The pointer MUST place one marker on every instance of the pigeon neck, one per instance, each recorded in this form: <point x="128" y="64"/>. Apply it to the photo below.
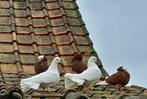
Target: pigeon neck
<point x="91" y="63"/>
<point x="53" y="66"/>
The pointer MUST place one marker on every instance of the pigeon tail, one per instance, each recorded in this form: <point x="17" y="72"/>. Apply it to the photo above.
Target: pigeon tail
<point x="25" y="86"/>
<point x="102" y="83"/>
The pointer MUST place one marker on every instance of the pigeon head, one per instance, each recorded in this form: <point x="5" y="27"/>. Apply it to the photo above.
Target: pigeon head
<point x="93" y="59"/>
<point x="120" y="68"/>
<point x="57" y="59"/>
<point x="78" y="56"/>
<point x="42" y="58"/>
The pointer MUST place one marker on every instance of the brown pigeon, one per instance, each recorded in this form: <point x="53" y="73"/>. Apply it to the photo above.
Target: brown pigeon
<point x="77" y="64"/>
<point x="41" y="65"/>
<point x="121" y="77"/>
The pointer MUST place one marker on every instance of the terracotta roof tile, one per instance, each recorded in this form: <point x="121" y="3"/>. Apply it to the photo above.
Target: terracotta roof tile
<point x="27" y="59"/>
<point x="52" y="5"/>
<point x="5" y="37"/>
<point x="4" y="4"/>
<point x="4" y="12"/>
<point x="4" y="29"/>
<point x="7" y="58"/>
<point x="4" y="48"/>
<point x="20" y="13"/>
<point x="24" y="39"/>
<point x="29" y="28"/>
<point x="5" y="21"/>
<point x="22" y="21"/>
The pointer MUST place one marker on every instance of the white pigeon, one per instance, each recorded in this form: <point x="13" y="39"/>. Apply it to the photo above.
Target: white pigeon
<point x="51" y="75"/>
<point x="90" y="74"/>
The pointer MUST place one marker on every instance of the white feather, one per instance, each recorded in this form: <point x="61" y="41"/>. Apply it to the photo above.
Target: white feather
<point x="49" y="76"/>
<point x="102" y="83"/>
<point x="40" y="57"/>
<point x="90" y="74"/>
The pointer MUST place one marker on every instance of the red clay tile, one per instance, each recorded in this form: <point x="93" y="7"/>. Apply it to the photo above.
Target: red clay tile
<point x="39" y="22"/>
<point x="77" y="30"/>
<point x="4" y="4"/>
<point x="20" y="13"/>
<point x="5" y="20"/>
<point x="63" y="39"/>
<point x="4" y="29"/>
<point x="6" y="48"/>
<point x="66" y="50"/>
<point x="28" y="69"/>
<point x="52" y="5"/>
<point x="7" y="58"/>
<point x="23" y="30"/>
<point x="44" y="39"/>
<point x="4" y="12"/>
<point x="27" y="59"/>
<point x="42" y="30"/>
<point x="37" y="14"/>
<point x="24" y="39"/>
<point x="81" y="40"/>
<point x="8" y="68"/>
<point x="60" y="30"/>
<point x="36" y="6"/>
<point x="25" y="49"/>
<point x="20" y="5"/>
<point x="21" y="22"/>
<point x="51" y="50"/>
<point x="57" y="22"/>
<point x="55" y="13"/>
<point x="5" y="37"/>
<point x="68" y="5"/>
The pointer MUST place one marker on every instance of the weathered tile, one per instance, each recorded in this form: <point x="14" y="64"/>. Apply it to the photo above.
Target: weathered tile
<point x="50" y="0"/>
<point x="88" y="50"/>
<point x="4" y="12"/>
<point x="37" y="13"/>
<point x="55" y="13"/>
<point x="44" y="39"/>
<point x="74" y="21"/>
<point x="4" y="4"/>
<point x="25" y="49"/>
<point x="71" y="13"/>
<point x="59" y="30"/>
<point x="27" y="59"/>
<point x="21" y="22"/>
<point x="24" y="39"/>
<point x="57" y="22"/>
<point x="69" y="5"/>
<point x="81" y="40"/>
<point x="47" y="50"/>
<point x="39" y="22"/>
<point x="4" y="29"/>
<point x="63" y="39"/>
<point x="28" y="69"/>
<point x="66" y="60"/>
<point x="20" y="5"/>
<point x="8" y="68"/>
<point x="5" y="37"/>
<point x="20" y="13"/>
<point x="5" y="20"/>
<point x="66" y="50"/>
<point x="52" y="5"/>
<point x="34" y="0"/>
<point x="36" y="6"/>
<point x="77" y="30"/>
<point x="6" y="48"/>
<point x="68" y="69"/>
<point x="23" y="30"/>
<point x="7" y="58"/>
<point x="41" y="30"/>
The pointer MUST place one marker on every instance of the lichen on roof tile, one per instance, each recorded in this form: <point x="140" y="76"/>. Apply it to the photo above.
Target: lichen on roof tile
<point x="20" y="13"/>
<point x="7" y="58"/>
<point x="5" y="20"/>
<point x="5" y="38"/>
<point x="52" y="5"/>
<point x="4" y="4"/>
<point x="24" y="39"/>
